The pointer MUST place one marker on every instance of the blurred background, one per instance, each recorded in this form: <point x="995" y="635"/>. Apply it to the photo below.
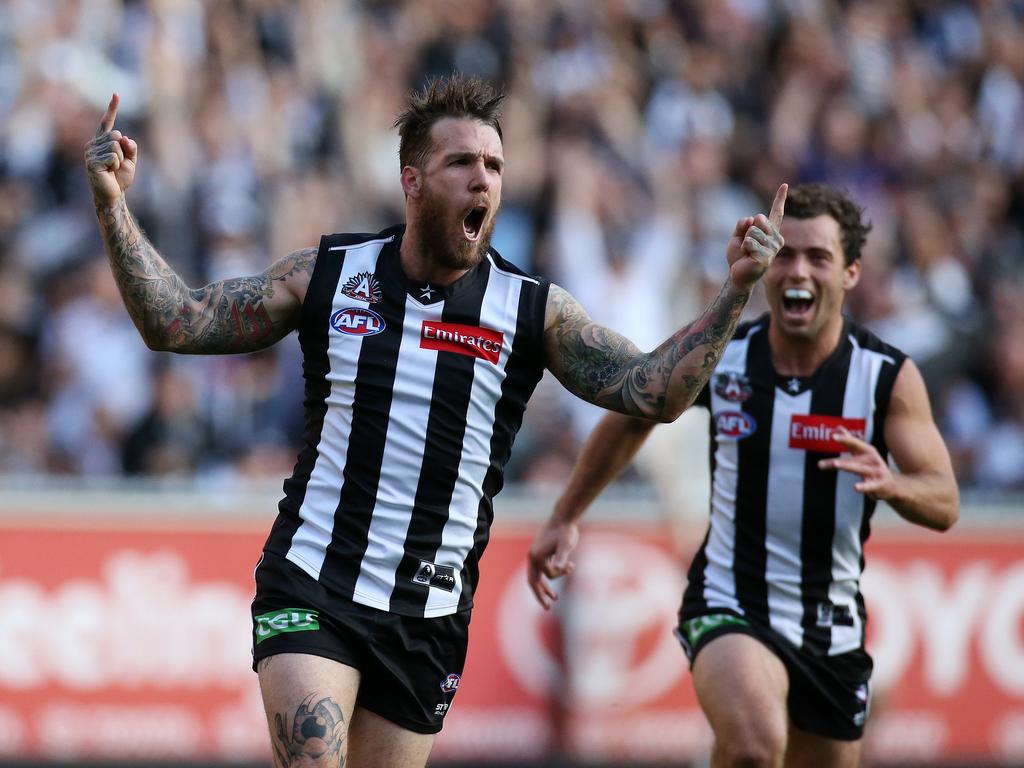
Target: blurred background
<point x="636" y="133"/>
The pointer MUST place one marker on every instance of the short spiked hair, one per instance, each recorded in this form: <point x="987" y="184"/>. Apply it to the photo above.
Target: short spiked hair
<point x="806" y="201"/>
<point x="457" y="95"/>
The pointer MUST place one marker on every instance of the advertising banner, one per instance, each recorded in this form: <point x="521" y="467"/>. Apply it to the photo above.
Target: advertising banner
<point x="129" y="639"/>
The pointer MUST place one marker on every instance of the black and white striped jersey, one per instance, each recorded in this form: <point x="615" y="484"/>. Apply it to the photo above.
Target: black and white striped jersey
<point x="785" y="543"/>
<point x="414" y="394"/>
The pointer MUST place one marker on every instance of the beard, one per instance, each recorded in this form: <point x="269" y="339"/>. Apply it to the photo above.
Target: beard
<point x="434" y="233"/>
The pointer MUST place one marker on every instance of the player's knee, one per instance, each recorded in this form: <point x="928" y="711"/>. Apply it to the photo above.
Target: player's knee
<point x="761" y="746"/>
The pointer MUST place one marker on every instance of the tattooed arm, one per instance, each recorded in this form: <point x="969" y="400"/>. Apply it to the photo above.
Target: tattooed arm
<point x="604" y="368"/>
<point x="239" y="315"/>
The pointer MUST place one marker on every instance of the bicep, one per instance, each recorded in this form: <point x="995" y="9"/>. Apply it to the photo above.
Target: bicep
<point x="245" y="314"/>
<point x="590" y="360"/>
<point x="911" y="434"/>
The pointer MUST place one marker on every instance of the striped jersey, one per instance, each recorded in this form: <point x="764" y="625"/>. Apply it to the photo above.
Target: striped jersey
<point x="414" y="394"/>
<point x="785" y="543"/>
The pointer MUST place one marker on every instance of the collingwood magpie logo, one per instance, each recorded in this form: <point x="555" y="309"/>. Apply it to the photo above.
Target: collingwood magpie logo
<point x="363" y="287"/>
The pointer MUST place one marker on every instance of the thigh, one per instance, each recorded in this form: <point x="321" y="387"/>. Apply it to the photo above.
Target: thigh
<point x="809" y="750"/>
<point x="375" y="742"/>
<point x="309" y="701"/>
<point x="742" y="687"/>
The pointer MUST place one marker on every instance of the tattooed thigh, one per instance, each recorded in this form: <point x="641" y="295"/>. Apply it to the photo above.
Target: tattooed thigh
<point x="309" y="702"/>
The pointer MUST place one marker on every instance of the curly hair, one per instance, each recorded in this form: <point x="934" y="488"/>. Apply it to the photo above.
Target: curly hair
<point x="805" y="201"/>
<point x="457" y="95"/>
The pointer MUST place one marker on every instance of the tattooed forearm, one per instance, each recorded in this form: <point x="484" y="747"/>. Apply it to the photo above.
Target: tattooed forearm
<point x="316" y="736"/>
<point x="238" y="315"/>
<point x="607" y="369"/>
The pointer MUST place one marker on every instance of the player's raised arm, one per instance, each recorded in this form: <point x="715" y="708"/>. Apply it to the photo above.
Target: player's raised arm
<point x="605" y="368"/>
<point x="238" y="315"/>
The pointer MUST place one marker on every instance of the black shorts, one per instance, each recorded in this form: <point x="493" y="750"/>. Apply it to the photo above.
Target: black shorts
<point x="410" y="667"/>
<point x="828" y="695"/>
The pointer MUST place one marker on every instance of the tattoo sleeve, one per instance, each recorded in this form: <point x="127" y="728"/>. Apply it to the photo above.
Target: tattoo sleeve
<point x="605" y="368"/>
<point x="239" y="315"/>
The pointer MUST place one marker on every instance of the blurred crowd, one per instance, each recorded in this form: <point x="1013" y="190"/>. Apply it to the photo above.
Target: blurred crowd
<point x="636" y="133"/>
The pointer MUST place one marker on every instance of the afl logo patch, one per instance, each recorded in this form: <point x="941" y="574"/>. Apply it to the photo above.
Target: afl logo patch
<point x="451" y="683"/>
<point x="356" y="321"/>
<point x="734" y="425"/>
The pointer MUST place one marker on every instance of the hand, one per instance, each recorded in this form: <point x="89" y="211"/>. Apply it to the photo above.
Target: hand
<point x="864" y="460"/>
<point x="754" y="243"/>
<point x="549" y="558"/>
<point x="110" y="159"/>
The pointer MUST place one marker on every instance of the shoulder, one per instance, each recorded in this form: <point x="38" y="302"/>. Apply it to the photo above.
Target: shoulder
<point x="748" y="328"/>
<point x="510" y="270"/>
<point x="863" y="338"/>
<point x="341" y="241"/>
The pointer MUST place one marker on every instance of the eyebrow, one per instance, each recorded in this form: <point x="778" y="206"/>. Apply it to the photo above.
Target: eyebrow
<point x="465" y="154"/>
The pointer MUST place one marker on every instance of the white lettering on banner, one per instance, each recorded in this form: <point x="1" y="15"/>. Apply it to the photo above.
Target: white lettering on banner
<point x="143" y="731"/>
<point x="13" y="730"/>
<point x="1001" y="648"/>
<point x="916" y="603"/>
<point x="507" y="733"/>
<point x="948" y="615"/>
<point x="1008" y="737"/>
<point x="647" y="736"/>
<point x="239" y="728"/>
<point x="624" y="592"/>
<point x="908" y="736"/>
<point x="142" y="623"/>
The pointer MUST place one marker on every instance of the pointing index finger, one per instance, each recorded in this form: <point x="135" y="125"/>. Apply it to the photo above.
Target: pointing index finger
<point x="778" y="206"/>
<point x="107" y="123"/>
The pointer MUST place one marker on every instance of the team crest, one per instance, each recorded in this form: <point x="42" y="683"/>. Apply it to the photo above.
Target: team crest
<point x="363" y="287"/>
<point x="732" y="386"/>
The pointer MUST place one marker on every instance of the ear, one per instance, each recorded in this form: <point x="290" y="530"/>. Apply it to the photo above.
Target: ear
<point x="411" y="181"/>
<point x="851" y="275"/>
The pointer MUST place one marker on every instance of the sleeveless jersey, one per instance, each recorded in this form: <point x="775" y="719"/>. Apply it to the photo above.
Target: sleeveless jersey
<point x="414" y="394"/>
<point x="785" y="543"/>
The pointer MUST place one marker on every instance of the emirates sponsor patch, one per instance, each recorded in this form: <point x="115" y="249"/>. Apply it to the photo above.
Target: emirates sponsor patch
<point x="469" y="340"/>
<point x="812" y="432"/>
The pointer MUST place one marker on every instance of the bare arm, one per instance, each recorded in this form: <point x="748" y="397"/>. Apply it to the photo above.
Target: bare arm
<point x="924" y="491"/>
<point x="605" y="368"/>
<point x="608" y="450"/>
<point x="238" y="315"/>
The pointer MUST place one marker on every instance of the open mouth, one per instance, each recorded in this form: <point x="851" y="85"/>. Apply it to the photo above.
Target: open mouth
<point x="797" y="301"/>
<point x="473" y="223"/>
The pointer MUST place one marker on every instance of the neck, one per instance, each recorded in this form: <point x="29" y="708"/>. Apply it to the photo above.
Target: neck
<point x="801" y="356"/>
<point x="421" y="265"/>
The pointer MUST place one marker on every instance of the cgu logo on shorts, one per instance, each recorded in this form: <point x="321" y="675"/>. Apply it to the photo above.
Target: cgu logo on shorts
<point x="734" y="425"/>
<point x="285" y="620"/>
<point x="470" y="340"/>
<point x="357" y="321"/>
<point x="814" y="433"/>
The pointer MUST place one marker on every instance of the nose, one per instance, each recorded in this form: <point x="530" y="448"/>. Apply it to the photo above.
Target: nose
<point x="799" y="265"/>
<point x="479" y="181"/>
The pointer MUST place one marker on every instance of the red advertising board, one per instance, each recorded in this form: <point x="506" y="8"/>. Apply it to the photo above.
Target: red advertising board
<point x="129" y="640"/>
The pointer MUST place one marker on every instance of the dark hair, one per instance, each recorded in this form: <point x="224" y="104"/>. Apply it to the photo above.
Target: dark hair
<point x="805" y="201"/>
<point x="457" y="95"/>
